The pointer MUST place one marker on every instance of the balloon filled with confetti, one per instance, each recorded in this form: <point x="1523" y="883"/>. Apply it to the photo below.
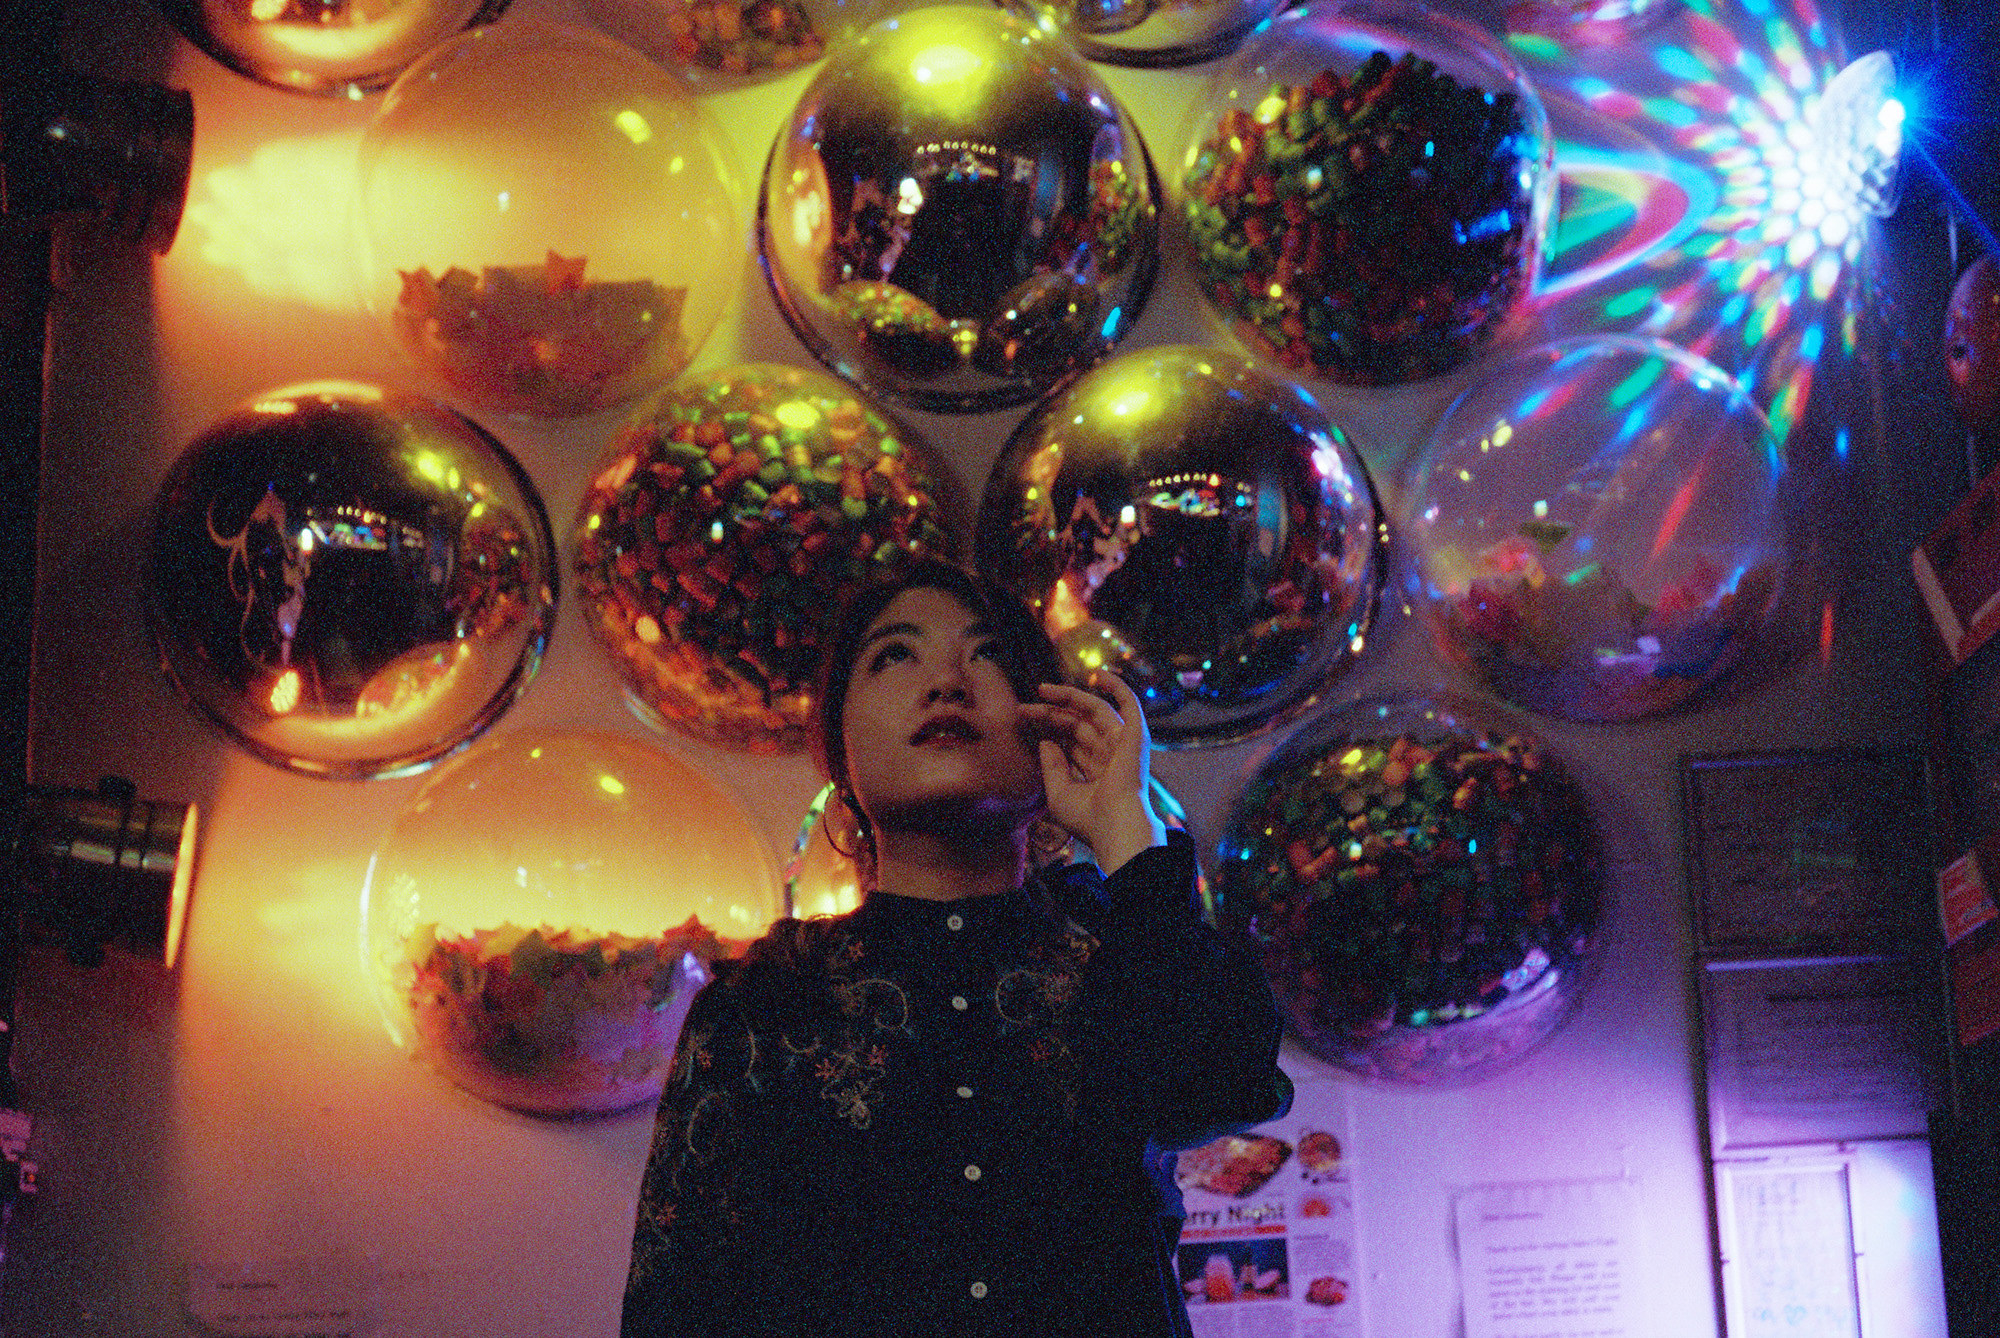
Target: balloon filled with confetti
<point x="1598" y="528"/>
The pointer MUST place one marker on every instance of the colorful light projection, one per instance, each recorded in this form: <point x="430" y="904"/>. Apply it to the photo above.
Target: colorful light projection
<point x="1718" y="194"/>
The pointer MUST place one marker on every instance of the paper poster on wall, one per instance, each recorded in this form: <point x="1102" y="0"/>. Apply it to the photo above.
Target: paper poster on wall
<point x="1550" y="1260"/>
<point x="1268" y="1248"/>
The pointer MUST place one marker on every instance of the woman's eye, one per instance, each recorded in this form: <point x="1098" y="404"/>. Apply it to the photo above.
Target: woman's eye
<point x="887" y="655"/>
<point x="986" y="650"/>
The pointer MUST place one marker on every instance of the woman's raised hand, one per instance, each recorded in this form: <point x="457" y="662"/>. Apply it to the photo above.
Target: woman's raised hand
<point x="1095" y="756"/>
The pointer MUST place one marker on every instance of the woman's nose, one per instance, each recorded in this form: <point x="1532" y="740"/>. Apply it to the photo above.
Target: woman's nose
<point x="948" y="684"/>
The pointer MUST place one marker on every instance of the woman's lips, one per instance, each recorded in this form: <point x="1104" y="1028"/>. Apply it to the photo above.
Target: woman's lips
<point x="949" y="729"/>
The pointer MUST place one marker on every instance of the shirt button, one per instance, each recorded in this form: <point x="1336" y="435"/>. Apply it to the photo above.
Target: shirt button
<point x="965" y="1092"/>
<point x="978" y="1291"/>
<point x="958" y="1002"/>
<point x="972" y="1173"/>
<point x="954" y="921"/>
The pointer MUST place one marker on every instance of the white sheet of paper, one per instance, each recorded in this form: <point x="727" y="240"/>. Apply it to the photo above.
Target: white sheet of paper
<point x="1550" y="1260"/>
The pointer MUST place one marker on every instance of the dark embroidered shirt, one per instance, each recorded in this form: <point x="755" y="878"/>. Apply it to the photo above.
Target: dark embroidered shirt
<point x="937" y="1118"/>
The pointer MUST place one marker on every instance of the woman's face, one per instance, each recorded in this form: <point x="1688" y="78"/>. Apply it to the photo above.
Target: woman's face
<point x="932" y="729"/>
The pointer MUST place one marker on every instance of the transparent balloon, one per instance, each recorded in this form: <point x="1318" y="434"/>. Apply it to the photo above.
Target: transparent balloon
<point x="339" y="48"/>
<point x="1150" y="33"/>
<point x="1972" y="344"/>
<point x="1426" y="885"/>
<point x="823" y="876"/>
<point x="541" y="212"/>
<point x="1367" y="190"/>
<point x="537" y="919"/>
<point x="735" y="41"/>
<point x="958" y="214"/>
<point x="1598" y="528"/>
<point x="1587" y="23"/>
<point x="734" y="514"/>
<point x="349" y="581"/>
<point x="1198" y="526"/>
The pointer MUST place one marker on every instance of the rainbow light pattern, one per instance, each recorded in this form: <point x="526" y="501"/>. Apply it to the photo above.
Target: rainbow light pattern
<point x="1694" y="202"/>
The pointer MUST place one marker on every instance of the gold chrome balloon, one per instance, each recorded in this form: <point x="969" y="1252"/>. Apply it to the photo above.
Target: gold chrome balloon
<point x="349" y="581"/>
<point x="336" y="48"/>
<point x="1198" y="526"/>
<point x="958" y="214"/>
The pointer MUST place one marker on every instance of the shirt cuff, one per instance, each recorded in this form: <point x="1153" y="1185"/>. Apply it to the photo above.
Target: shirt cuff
<point x="1155" y="889"/>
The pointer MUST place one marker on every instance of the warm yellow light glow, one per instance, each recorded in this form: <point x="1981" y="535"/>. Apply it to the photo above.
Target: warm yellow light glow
<point x="797" y="415"/>
<point x="610" y="784"/>
<point x="947" y="62"/>
<point x="285" y="692"/>
<point x="177" y="906"/>
<point x="633" y="125"/>
<point x="280" y="220"/>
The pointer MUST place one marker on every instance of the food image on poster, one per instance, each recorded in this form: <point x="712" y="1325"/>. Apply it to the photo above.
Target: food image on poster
<point x="1233" y="1270"/>
<point x="1268" y="1245"/>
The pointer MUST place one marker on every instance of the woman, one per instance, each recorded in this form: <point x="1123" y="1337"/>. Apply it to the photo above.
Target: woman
<point x="934" y="1117"/>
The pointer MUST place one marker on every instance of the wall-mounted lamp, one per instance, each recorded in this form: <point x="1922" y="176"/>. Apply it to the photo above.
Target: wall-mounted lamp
<point x="97" y="869"/>
<point x="109" y="156"/>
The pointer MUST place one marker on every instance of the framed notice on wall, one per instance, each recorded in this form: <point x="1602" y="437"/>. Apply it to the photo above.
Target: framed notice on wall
<point x="1822" y="850"/>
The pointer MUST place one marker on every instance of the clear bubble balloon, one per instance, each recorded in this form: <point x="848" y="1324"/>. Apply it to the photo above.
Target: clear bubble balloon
<point x="1196" y="525"/>
<point x="548" y="222"/>
<point x="1150" y="33"/>
<point x="538" y="918"/>
<point x="958" y="214"/>
<point x="1426" y="884"/>
<point x="735" y="41"/>
<point x="736" y="511"/>
<point x="1587" y="23"/>
<point x="349" y="581"/>
<point x="1366" y="192"/>
<point x="337" y="48"/>
<point x="1598" y="528"/>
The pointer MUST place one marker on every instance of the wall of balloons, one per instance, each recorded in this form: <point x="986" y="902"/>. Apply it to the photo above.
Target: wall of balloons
<point x="958" y="217"/>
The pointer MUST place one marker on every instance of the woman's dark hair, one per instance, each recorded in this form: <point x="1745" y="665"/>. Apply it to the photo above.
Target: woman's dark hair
<point x="1027" y="657"/>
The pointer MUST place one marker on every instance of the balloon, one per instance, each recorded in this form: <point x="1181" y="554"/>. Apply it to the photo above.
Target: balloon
<point x="538" y="917"/>
<point x="349" y="581"/>
<point x="540" y="214"/>
<point x="1200" y="527"/>
<point x="1366" y="191"/>
<point x="722" y="531"/>
<point x="958" y="214"/>
<point x="1426" y="885"/>
<point x="1150" y="33"/>
<point x="339" y="48"/>
<point x="1597" y="528"/>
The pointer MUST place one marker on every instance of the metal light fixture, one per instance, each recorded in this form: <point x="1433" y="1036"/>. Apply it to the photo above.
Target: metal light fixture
<point x="110" y="156"/>
<point x="98" y="869"/>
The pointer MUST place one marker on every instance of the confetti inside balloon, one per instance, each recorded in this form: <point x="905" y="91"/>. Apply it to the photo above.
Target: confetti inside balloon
<point x="548" y="223"/>
<point x="1366" y="192"/>
<point x="958" y="214"/>
<point x="1198" y="526"/>
<point x="539" y="916"/>
<point x="1972" y="345"/>
<point x="1426" y="885"/>
<point x="736" y="511"/>
<point x="1598" y="528"/>
<point x="349" y="581"/>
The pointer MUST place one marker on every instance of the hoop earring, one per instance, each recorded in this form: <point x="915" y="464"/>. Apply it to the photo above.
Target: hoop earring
<point x="1049" y="843"/>
<point x="862" y="856"/>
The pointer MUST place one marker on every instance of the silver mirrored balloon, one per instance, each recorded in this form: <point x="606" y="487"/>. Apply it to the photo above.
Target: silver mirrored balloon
<point x="349" y="581"/>
<point x="958" y="214"/>
<point x="1198" y="526"/>
<point x="1151" y="33"/>
<point x="338" y="48"/>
